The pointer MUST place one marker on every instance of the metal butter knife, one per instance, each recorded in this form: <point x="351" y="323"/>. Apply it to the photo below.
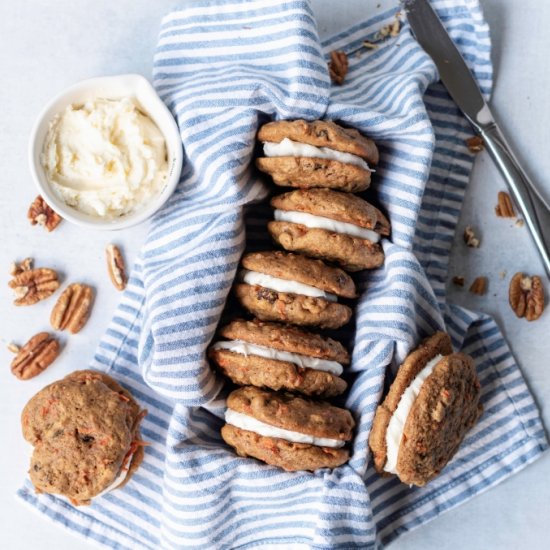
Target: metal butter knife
<point x="460" y="83"/>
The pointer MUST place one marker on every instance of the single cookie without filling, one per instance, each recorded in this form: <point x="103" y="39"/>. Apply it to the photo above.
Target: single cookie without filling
<point x="431" y="405"/>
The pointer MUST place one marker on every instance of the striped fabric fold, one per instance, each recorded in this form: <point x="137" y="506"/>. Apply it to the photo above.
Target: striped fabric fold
<point x="224" y="68"/>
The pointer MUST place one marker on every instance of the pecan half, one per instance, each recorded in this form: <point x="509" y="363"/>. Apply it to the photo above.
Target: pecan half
<point x="470" y="237"/>
<point x="475" y="144"/>
<point x="40" y="213"/>
<point x="72" y="308"/>
<point x="35" y="356"/>
<point x="479" y="286"/>
<point x="338" y="66"/>
<point x="526" y="296"/>
<point x="115" y="266"/>
<point x="505" y="207"/>
<point x="33" y="285"/>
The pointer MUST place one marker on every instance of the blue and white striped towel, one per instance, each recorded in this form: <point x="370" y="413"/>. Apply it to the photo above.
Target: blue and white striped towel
<point x="224" y="67"/>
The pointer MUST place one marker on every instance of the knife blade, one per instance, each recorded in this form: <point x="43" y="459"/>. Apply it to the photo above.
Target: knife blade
<point x="464" y="90"/>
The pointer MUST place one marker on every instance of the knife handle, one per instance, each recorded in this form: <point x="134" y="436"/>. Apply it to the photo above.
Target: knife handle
<point x="532" y="206"/>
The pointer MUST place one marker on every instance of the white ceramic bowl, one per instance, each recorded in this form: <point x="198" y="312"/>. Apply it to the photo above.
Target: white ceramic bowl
<point x="109" y="87"/>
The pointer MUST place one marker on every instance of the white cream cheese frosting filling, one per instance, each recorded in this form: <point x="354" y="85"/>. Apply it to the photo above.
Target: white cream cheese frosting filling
<point x="303" y="361"/>
<point x="283" y="285"/>
<point x="320" y="222"/>
<point x="289" y="148"/>
<point x="245" y="422"/>
<point x="120" y="478"/>
<point x="398" y="419"/>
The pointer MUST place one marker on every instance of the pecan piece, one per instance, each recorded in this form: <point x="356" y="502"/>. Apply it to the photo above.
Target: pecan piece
<point x="72" y="308"/>
<point x="391" y="29"/>
<point x="338" y="66"/>
<point x="505" y="207"/>
<point x="470" y="237"/>
<point x="479" y="286"/>
<point x="25" y="265"/>
<point x="475" y="144"/>
<point x="35" y="356"/>
<point x="369" y="45"/>
<point x="14" y="348"/>
<point x="33" y="285"/>
<point x="40" y="213"/>
<point x="115" y="266"/>
<point x="526" y="296"/>
<point x="458" y="280"/>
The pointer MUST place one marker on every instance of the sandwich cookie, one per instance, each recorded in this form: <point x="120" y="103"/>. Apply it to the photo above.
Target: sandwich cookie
<point x="287" y="431"/>
<point x="431" y="405"/>
<point x="280" y="357"/>
<point x="278" y="286"/>
<point x="316" y="154"/>
<point x="330" y="225"/>
<point x="85" y="433"/>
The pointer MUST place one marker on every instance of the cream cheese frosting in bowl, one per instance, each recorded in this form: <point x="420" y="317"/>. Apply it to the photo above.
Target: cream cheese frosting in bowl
<point x="106" y="153"/>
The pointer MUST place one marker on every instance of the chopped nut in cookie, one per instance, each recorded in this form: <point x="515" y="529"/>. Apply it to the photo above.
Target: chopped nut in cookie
<point x="526" y="296"/>
<point x="470" y="237"/>
<point x="479" y="286"/>
<point x="505" y="207"/>
<point x="338" y="66"/>
<point x="35" y="356"/>
<point x="41" y="214"/>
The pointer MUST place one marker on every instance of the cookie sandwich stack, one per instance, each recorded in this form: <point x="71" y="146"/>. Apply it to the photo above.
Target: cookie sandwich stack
<point x="322" y="218"/>
<point x="281" y="414"/>
<point x="284" y="367"/>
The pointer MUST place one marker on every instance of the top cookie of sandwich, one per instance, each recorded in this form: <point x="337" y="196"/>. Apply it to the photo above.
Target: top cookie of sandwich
<point x="337" y="206"/>
<point x="84" y="422"/>
<point x="446" y="408"/>
<point x="286" y="338"/>
<point x="321" y="133"/>
<point x="290" y="412"/>
<point x="294" y="267"/>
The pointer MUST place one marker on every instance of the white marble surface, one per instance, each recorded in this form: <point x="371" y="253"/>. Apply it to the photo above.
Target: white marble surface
<point x="47" y="46"/>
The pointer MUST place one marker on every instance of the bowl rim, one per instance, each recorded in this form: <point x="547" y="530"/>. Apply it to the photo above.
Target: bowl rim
<point x="168" y="128"/>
